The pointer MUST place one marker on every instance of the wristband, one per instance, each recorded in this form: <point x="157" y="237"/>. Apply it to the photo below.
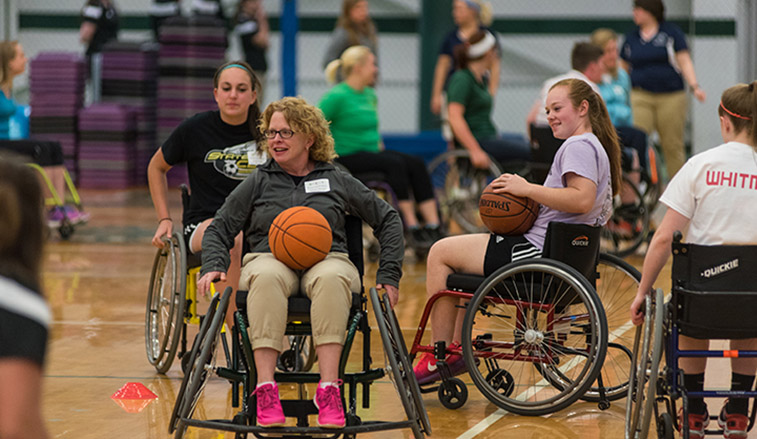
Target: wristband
<point x="163" y="219"/>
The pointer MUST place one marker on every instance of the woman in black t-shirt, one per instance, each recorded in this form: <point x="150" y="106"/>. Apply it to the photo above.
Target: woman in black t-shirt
<point x="24" y="315"/>
<point x="220" y="149"/>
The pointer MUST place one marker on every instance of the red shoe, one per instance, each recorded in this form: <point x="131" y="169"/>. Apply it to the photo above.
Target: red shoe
<point x="697" y="423"/>
<point x="426" y="371"/>
<point x="734" y="425"/>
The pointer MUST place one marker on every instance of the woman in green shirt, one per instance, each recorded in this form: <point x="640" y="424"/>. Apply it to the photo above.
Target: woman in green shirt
<point x="470" y="105"/>
<point x="351" y="108"/>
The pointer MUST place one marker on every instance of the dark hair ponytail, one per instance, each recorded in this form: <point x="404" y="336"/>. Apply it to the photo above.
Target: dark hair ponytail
<point x="253" y="113"/>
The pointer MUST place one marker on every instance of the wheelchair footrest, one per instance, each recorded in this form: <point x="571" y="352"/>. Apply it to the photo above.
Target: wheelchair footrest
<point x="294" y="408"/>
<point x="300" y="432"/>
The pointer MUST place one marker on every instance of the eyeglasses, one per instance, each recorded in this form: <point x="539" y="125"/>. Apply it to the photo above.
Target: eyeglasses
<point x="285" y="133"/>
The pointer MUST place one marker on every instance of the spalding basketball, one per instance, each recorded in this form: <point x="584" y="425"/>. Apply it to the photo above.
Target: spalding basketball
<point x="506" y="214"/>
<point x="299" y="237"/>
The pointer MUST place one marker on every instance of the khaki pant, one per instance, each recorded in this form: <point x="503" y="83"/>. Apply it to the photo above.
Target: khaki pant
<point x="329" y="285"/>
<point x="666" y="114"/>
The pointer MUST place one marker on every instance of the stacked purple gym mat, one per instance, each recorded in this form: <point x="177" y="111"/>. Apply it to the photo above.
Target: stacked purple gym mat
<point x="130" y="78"/>
<point x="191" y="49"/>
<point x="56" y="81"/>
<point x="107" y="150"/>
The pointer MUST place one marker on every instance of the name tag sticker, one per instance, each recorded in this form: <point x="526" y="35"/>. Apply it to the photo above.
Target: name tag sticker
<point x="256" y="157"/>
<point x="315" y="186"/>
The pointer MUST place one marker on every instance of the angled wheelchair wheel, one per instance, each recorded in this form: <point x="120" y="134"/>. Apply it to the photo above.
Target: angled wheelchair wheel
<point x="458" y="186"/>
<point x="647" y="351"/>
<point x="532" y="324"/>
<point x="629" y="225"/>
<point x="164" y="315"/>
<point x="203" y="366"/>
<point x="400" y="370"/>
<point x="191" y="358"/>
<point x="616" y="287"/>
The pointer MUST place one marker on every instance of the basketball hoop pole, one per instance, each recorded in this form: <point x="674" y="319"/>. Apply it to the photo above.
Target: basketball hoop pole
<point x="289" y="28"/>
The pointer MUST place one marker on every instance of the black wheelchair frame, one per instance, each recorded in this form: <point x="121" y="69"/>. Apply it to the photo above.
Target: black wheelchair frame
<point x="708" y="301"/>
<point x="241" y="371"/>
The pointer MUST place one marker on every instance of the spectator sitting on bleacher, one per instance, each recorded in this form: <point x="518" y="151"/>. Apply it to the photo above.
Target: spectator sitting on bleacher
<point x="351" y="108"/>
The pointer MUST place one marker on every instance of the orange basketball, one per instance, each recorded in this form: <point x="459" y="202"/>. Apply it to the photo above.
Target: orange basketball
<point x="506" y="214"/>
<point x="299" y="237"/>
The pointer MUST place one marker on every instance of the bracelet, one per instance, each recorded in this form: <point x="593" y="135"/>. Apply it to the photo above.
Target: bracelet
<point x="166" y="218"/>
<point x="694" y="87"/>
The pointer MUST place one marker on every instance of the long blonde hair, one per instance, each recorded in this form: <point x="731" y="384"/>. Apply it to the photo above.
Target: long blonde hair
<point x="8" y="51"/>
<point x="342" y="66"/>
<point x="601" y="126"/>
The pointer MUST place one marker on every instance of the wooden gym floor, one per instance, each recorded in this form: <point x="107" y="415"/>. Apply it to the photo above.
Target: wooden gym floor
<point x="96" y="284"/>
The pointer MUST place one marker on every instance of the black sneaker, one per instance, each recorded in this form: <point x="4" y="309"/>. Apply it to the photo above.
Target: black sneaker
<point x="418" y="238"/>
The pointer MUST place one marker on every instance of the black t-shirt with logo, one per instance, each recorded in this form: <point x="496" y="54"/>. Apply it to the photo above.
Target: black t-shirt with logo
<point x="218" y="157"/>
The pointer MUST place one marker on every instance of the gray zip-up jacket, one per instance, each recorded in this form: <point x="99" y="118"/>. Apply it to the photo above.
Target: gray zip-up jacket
<point x="269" y="190"/>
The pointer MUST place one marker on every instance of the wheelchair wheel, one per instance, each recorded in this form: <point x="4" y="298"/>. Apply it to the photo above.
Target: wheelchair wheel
<point x="647" y="351"/>
<point x="203" y="365"/>
<point x="400" y="370"/>
<point x="616" y="287"/>
<point x="629" y="225"/>
<point x="458" y="186"/>
<point x="532" y="320"/>
<point x="191" y="358"/>
<point x="164" y="315"/>
<point x="300" y="356"/>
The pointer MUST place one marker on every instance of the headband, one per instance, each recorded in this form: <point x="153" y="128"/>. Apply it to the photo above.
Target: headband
<point x="479" y="49"/>
<point x="732" y="113"/>
<point x="239" y="66"/>
<point x="473" y="5"/>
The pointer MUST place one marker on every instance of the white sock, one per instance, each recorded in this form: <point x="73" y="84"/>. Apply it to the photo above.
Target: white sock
<point x="324" y="384"/>
<point x="267" y="382"/>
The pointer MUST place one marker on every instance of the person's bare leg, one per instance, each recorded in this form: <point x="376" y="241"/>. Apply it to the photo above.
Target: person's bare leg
<point x="407" y="210"/>
<point x="265" y="363"/>
<point x="464" y="254"/>
<point x="328" y="361"/>
<point x="429" y="211"/>
<point x="745" y="365"/>
<point x="692" y="365"/>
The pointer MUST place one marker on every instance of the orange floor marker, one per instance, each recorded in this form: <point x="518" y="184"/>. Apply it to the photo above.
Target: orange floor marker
<point x="133" y="397"/>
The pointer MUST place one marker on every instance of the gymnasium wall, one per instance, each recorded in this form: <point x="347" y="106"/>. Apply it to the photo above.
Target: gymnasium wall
<point x="536" y="37"/>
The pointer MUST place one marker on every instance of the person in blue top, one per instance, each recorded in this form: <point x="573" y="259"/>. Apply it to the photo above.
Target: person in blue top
<point x="657" y="57"/>
<point x="615" y="88"/>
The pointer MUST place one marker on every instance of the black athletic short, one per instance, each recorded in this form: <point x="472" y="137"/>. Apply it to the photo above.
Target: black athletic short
<point x="502" y="250"/>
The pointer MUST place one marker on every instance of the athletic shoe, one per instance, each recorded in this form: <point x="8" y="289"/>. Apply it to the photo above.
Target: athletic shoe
<point x="328" y="400"/>
<point x="269" y="411"/>
<point x="418" y="239"/>
<point x="426" y="371"/>
<point x="734" y="425"/>
<point x="76" y="216"/>
<point x="697" y="423"/>
<point x="433" y="233"/>
<point x="55" y="217"/>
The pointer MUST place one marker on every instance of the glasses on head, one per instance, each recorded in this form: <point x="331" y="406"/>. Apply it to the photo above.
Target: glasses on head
<point x="285" y="133"/>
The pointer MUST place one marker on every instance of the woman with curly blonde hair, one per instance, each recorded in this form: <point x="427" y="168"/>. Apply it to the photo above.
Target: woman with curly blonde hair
<point x="299" y="173"/>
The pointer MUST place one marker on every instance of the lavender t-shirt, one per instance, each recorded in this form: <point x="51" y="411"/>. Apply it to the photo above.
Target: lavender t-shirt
<point x="582" y="155"/>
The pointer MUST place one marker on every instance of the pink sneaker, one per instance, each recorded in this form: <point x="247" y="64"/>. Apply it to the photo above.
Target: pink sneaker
<point x="269" y="411"/>
<point x="426" y="371"/>
<point x="55" y="217"/>
<point x="75" y="215"/>
<point x="328" y="400"/>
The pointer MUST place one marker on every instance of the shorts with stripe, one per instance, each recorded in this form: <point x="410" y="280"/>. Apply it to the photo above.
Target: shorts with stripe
<point x="502" y="250"/>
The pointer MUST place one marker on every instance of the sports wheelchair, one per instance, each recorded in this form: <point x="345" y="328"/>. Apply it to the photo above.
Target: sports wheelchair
<point x="241" y="371"/>
<point x="713" y="297"/>
<point x="540" y="333"/>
